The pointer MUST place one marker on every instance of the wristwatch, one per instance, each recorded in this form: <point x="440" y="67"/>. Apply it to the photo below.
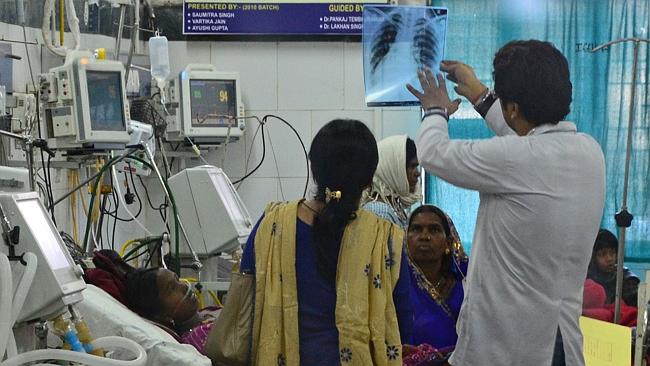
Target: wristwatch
<point x="485" y="103"/>
<point x="435" y="110"/>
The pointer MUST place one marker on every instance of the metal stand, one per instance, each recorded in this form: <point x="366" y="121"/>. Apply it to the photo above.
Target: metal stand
<point x="624" y="217"/>
<point x="28" y="146"/>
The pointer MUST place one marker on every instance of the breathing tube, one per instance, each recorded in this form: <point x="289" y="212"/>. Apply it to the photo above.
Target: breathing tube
<point x="77" y="337"/>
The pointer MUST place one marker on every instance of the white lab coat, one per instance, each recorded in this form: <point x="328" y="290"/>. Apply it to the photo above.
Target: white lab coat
<point x="542" y="198"/>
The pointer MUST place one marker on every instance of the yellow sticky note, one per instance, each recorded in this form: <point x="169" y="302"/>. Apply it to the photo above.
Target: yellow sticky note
<point x="606" y="344"/>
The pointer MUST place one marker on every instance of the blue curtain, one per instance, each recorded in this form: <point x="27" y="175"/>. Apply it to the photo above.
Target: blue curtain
<point x="601" y="91"/>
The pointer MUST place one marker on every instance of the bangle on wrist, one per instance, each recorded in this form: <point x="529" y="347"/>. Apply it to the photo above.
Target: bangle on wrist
<point x="481" y="97"/>
<point x="437" y="111"/>
<point x="485" y="103"/>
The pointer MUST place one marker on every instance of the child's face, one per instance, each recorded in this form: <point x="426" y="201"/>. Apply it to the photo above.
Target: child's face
<point x="605" y="259"/>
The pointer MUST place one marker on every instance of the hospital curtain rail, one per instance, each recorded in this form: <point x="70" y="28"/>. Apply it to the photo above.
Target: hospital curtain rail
<point x="601" y="91"/>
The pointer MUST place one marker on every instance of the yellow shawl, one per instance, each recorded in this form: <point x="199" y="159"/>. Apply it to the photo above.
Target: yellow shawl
<point x="366" y="275"/>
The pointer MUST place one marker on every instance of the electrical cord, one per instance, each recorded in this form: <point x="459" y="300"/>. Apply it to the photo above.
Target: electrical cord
<point x="29" y="62"/>
<point x="250" y="151"/>
<point x="304" y="149"/>
<point x="161" y="209"/>
<point x="262" y="123"/>
<point x="117" y="207"/>
<point x="91" y="178"/>
<point x="48" y="186"/>
<point x="135" y="190"/>
<point x="173" y="206"/>
<point x="277" y="168"/>
<point x="116" y="202"/>
<point x="100" y="221"/>
<point x="97" y="178"/>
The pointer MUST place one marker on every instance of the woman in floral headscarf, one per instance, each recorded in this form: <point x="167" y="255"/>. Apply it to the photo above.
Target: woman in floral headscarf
<point x="438" y="266"/>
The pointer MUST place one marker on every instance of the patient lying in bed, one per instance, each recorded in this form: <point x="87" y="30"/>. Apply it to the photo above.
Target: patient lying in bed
<point x="108" y="317"/>
<point x="156" y="294"/>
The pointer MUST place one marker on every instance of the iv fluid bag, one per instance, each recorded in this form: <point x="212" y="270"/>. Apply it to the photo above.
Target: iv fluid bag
<point x="159" y="58"/>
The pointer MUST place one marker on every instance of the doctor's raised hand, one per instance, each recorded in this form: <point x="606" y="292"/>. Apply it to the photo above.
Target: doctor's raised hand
<point x="434" y="93"/>
<point x="469" y="85"/>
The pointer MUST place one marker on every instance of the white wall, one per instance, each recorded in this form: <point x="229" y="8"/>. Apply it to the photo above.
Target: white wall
<point x="306" y="83"/>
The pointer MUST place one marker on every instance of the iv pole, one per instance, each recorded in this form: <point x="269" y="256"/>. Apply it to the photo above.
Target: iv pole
<point x="624" y="217"/>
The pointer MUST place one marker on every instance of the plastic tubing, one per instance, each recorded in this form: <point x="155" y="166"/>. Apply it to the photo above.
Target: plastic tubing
<point x="174" y="208"/>
<point x="73" y="22"/>
<point x="6" y="324"/>
<point x="126" y="245"/>
<point x="85" y="358"/>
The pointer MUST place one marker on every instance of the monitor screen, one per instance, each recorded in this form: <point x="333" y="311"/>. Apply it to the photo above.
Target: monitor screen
<point x="43" y="231"/>
<point x="105" y="101"/>
<point x="213" y="103"/>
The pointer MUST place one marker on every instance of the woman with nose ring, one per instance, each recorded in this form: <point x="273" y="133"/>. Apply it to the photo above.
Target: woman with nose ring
<point x="437" y="265"/>
<point x="159" y="295"/>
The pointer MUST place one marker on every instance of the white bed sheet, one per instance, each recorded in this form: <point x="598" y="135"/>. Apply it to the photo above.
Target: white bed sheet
<point x="106" y="316"/>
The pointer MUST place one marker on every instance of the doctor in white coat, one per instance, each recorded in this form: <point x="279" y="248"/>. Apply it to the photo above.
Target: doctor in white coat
<point x="541" y="186"/>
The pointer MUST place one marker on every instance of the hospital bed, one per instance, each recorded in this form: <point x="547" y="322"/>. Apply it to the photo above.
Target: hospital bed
<point x="107" y="316"/>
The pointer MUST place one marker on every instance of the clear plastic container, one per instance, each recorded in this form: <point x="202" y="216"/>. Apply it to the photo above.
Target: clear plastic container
<point x="159" y="58"/>
<point x="3" y="101"/>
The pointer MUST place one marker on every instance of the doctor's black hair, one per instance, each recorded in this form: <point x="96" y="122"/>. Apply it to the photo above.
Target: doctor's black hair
<point x="343" y="158"/>
<point x="535" y="75"/>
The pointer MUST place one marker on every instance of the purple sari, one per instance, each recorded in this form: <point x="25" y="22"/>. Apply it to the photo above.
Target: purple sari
<point x="434" y="317"/>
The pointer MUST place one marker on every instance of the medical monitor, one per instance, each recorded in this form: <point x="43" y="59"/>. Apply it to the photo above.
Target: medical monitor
<point x="210" y="109"/>
<point x="85" y="104"/>
<point x="58" y="281"/>
<point x="214" y="216"/>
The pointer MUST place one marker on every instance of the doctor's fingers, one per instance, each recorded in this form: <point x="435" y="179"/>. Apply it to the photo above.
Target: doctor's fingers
<point x="414" y="91"/>
<point x="450" y="67"/>
<point x="424" y="82"/>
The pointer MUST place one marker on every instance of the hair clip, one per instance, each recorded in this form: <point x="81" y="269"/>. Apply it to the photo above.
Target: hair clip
<point x="330" y="195"/>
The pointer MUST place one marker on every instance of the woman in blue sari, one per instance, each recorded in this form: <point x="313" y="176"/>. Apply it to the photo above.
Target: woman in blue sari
<point x="437" y="266"/>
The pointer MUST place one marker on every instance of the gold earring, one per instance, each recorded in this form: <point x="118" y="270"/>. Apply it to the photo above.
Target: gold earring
<point x="447" y="251"/>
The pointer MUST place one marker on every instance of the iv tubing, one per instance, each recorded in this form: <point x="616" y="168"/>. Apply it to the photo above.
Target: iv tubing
<point x="73" y="22"/>
<point x="6" y="325"/>
<point x="85" y="358"/>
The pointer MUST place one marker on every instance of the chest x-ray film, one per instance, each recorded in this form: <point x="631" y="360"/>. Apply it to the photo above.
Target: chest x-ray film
<point x="397" y="42"/>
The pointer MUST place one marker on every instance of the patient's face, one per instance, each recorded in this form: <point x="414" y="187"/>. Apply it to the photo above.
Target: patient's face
<point x="413" y="173"/>
<point x="427" y="239"/>
<point x="605" y="259"/>
<point x="179" y="303"/>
